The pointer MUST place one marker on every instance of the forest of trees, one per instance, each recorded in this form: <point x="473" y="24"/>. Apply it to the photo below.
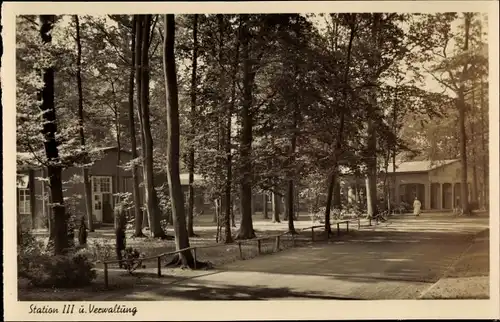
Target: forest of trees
<point x="262" y="102"/>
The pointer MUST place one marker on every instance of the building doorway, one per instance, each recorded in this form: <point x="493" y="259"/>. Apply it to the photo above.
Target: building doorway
<point x="447" y="196"/>
<point x="102" y="198"/>
<point x="435" y="192"/>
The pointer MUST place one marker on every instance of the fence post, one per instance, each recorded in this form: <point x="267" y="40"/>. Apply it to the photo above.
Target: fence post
<point x="194" y="257"/>
<point x="277" y="243"/>
<point x="159" y="266"/>
<point x="239" y="247"/>
<point x="347" y="226"/>
<point x="293" y="239"/>
<point x="338" y="229"/>
<point x="106" y="275"/>
<point x="258" y="245"/>
<point x="312" y="233"/>
<point x="359" y="223"/>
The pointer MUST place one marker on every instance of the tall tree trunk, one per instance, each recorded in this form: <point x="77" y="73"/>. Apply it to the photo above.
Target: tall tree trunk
<point x="264" y="206"/>
<point x="464" y="188"/>
<point x="138" y="80"/>
<point x="228" y="205"/>
<point x="174" y="183"/>
<point x="484" y="148"/>
<point x="49" y="132"/>
<point x="276" y="203"/>
<point x="131" y="121"/>
<point x="284" y="200"/>
<point x="190" y="228"/>
<point x="394" y="174"/>
<point x="154" y="213"/>
<point x="332" y="178"/>
<point x="371" y="180"/>
<point x="394" y="147"/>
<point x="464" y="191"/>
<point x="474" y="155"/>
<point x="297" y="202"/>
<point x="291" y="186"/>
<point x="85" y="170"/>
<point x="246" y="230"/>
<point x="119" y="212"/>
<point x="337" y="202"/>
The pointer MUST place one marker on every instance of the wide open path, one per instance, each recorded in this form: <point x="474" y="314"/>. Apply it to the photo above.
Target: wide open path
<point x="398" y="260"/>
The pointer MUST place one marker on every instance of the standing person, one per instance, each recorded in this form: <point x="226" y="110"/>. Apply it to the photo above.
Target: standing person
<point x="416" y="207"/>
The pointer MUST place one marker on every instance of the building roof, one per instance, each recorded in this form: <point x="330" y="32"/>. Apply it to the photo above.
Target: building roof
<point x="420" y="166"/>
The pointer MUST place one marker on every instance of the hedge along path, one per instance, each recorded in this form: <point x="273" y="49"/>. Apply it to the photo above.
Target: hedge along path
<point x="259" y="242"/>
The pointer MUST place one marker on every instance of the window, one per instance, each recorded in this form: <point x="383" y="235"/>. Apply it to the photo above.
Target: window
<point x="101" y="184"/>
<point x="24" y="201"/>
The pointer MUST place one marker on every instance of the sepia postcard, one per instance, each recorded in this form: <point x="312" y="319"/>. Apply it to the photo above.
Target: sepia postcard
<point x="289" y="160"/>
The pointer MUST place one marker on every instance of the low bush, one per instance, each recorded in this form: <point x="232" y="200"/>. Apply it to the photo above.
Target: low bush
<point x="72" y="270"/>
<point x="132" y="259"/>
<point x="99" y="250"/>
<point x="403" y="208"/>
<point x="43" y="269"/>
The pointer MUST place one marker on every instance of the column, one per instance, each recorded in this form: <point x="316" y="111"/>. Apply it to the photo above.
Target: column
<point x="440" y="195"/>
<point x="452" y="195"/>
<point x="396" y="192"/>
<point x="428" y="195"/>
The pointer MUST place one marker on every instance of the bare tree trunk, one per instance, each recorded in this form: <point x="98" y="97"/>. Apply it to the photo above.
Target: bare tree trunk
<point x="290" y="199"/>
<point x="49" y="132"/>
<point x="229" y="157"/>
<point x="85" y="170"/>
<point x="264" y="206"/>
<point x="484" y="148"/>
<point x="138" y="78"/>
<point x="464" y="188"/>
<point x="474" y="155"/>
<point x="193" y="111"/>
<point x="119" y="212"/>
<point x="464" y="191"/>
<point x="153" y="210"/>
<point x="332" y="178"/>
<point x="337" y="202"/>
<point x="297" y="203"/>
<point x="246" y="230"/>
<point x="284" y="200"/>
<point x="371" y="162"/>
<point x="276" y="207"/>
<point x="135" y="176"/>
<point x="233" y="216"/>
<point x="174" y="183"/>
<point x="329" y="197"/>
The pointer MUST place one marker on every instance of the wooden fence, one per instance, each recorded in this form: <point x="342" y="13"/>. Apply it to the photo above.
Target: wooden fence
<point x="258" y="241"/>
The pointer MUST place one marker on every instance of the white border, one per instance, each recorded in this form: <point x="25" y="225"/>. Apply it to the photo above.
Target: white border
<point x="254" y="310"/>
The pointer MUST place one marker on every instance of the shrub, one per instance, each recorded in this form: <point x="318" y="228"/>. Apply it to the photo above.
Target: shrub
<point x="73" y="270"/>
<point x="99" y="250"/>
<point x="29" y="251"/>
<point x="403" y="208"/>
<point x="132" y="259"/>
<point x="43" y="269"/>
<point x="318" y="215"/>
